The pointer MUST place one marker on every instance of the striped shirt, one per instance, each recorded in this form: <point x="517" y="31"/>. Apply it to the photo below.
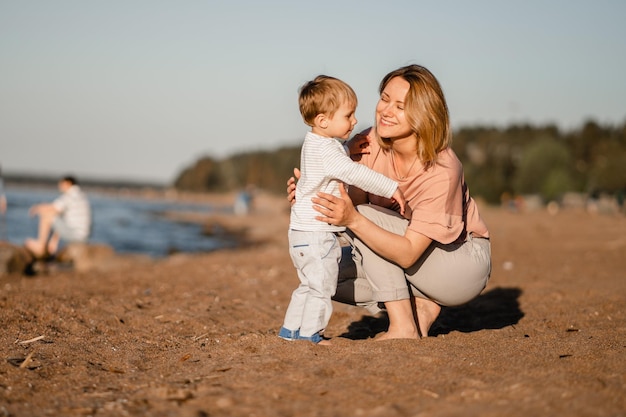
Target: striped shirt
<point x="75" y="211"/>
<point x="324" y="165"/>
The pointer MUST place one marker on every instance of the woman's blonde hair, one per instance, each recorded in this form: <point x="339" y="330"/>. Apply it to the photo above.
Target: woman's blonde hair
<point x="324" y="95"/>
<point x="426" y="111"/>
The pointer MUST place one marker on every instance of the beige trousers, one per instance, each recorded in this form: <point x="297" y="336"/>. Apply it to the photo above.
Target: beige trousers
<point x="450" y="274"/>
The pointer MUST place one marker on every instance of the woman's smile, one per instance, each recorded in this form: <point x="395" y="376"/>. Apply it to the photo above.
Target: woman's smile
<point x="390" y="118"/>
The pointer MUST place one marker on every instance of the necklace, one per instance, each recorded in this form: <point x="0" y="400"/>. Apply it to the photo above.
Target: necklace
<point x="395" y="166"/>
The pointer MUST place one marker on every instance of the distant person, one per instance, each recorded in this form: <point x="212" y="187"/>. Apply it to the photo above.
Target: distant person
<point x="328" y="106"/>
<point x="243" y="201"/>
<point x="67" y="218"/>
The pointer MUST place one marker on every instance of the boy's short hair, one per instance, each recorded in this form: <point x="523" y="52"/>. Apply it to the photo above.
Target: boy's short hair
<point x="324" y="95"/>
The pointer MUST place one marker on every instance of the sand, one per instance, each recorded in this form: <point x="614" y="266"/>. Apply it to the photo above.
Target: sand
<point x="195" y="334"/>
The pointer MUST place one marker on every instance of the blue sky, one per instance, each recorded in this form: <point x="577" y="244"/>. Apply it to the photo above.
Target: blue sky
<point x="138" y="90"/>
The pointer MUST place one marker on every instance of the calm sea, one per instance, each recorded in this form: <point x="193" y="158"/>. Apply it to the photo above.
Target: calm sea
<point x="128" y="225"/>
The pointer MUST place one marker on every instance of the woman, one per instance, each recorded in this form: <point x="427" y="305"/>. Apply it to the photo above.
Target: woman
<point x="441" y="254"/>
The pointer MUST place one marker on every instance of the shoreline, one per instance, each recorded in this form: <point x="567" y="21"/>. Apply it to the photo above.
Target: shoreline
<point x="120" y="217"/>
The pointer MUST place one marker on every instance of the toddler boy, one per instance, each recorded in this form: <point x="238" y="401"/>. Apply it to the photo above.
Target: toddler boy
<point x="328" y="105"/>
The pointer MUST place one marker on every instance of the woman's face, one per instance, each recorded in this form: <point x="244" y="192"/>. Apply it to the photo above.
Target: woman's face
<point x="390" y="120"/>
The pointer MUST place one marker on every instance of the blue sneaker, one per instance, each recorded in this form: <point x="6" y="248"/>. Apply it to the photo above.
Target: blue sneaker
<point x="289" y="334"/>
<point x="316" y="338"/>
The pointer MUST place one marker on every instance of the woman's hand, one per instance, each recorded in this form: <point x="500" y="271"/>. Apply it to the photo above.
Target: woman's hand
<point x="335" y="210"/>
<point x="291" y="186"/>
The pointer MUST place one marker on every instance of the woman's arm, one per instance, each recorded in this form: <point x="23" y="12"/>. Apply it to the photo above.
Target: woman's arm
<point x="403" y="250"/>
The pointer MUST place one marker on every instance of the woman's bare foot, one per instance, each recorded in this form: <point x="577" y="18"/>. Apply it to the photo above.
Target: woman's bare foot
<point x="398" y="334"/>
<point x="401" y="321"/>
<point x="325" y="342"/>
<point x="426" y="312"/>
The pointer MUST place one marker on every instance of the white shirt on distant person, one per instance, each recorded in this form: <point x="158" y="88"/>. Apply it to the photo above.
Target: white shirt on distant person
<point x="75" y="211"/>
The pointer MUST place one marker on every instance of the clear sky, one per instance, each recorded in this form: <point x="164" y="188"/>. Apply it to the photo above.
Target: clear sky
<point x="138" y="90"/>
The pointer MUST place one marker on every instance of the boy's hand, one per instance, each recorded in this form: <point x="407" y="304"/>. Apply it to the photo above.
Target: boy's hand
<point x="398" y="197"/>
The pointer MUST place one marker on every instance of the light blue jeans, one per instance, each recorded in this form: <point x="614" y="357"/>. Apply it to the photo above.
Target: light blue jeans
<point x="316" y="257"/>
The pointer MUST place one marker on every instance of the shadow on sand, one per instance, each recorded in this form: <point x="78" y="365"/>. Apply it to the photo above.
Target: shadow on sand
<point x="494" y="309"/>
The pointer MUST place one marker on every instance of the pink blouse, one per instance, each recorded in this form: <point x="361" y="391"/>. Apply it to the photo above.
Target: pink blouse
<point x="442" y="208"/>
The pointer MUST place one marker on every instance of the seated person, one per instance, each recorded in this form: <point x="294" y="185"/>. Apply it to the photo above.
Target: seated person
<point x="67" y="218"/>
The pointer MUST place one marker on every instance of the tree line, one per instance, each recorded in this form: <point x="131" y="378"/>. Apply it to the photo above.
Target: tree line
<point x="515" y="160"/>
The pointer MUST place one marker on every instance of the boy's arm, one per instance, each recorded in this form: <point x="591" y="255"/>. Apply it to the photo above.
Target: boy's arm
<point x="338" y="165"/>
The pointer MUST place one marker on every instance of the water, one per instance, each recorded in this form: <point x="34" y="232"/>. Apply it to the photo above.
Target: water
<point x="127" y="225"/>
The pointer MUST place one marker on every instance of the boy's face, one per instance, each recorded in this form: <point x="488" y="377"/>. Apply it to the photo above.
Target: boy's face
<point x="341" y="124"/>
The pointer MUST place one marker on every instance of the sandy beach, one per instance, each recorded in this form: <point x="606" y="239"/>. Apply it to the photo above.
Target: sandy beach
<point x="195" y="334"/>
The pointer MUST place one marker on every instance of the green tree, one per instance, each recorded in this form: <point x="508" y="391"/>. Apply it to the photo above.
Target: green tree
<point x="608" y="173"/>
<point x="203" y="175"/>
<point x="544" y="169"/>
